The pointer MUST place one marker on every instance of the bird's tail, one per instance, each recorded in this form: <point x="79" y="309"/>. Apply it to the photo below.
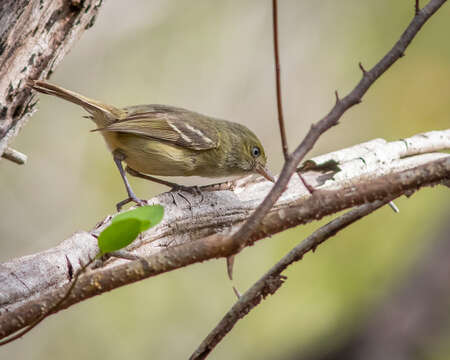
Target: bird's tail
<point x="94" y="107"/>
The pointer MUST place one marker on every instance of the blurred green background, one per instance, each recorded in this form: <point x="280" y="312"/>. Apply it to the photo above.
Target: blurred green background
<point x="216" y="58"/>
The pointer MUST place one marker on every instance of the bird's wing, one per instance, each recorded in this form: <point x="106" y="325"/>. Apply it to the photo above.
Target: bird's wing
<point x="177" y="126"/>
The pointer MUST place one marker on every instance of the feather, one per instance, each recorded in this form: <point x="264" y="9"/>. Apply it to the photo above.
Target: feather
<point x="168" y="124"/>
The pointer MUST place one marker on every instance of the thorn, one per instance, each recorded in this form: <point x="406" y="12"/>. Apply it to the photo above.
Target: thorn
<point x="362" y="69"/>
<point x="230" y="263"/>
<point x="236" y="292"/>
<point x="417" y="8"/>
<point x="337" y="97"/>
<point x="394" y="207"/>
<point x="401" y="54"/>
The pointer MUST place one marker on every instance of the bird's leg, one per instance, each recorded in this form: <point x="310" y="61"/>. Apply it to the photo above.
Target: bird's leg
<point x="174" y="186"/>
<point x="195" y="190"/>
<point x="118" y="158"/>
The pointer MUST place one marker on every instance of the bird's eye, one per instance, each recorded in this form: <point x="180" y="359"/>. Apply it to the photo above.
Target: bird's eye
<point x="256" y="151"/>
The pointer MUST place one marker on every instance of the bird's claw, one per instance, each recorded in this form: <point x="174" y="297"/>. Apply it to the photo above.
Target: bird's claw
<point x="194" y="190"/>
<point x="134" y="199"/>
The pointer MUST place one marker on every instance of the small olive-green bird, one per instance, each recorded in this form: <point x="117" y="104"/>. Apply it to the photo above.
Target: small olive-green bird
<point x="168" y="141"/>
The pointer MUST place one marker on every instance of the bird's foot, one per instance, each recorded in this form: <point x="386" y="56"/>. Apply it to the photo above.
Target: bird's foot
<point x="179" y="189"/>
<point x="138" y="202"/>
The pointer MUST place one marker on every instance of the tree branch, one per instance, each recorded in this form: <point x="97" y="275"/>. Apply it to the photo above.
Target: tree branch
<point x="184" y="237"/>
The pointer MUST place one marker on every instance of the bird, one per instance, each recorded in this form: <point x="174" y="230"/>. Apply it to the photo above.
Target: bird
<point x="168" y="141"/>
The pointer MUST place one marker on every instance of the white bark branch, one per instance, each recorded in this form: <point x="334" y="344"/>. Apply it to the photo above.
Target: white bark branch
<point x="224" y="208"/>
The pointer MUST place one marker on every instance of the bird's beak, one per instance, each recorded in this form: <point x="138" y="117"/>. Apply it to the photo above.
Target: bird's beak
<point x="264" y="172"/>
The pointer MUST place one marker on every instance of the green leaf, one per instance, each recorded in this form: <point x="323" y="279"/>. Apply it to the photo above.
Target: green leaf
<point x="149" y="216"/>
<point x="119" y="235"/>
<point x="126" y="227"/>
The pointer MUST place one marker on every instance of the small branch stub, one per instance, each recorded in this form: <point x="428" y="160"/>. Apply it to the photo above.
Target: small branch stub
<point x="362" y="69"/>
<point x="336" y="94"/>
<point x="14" y="156"/>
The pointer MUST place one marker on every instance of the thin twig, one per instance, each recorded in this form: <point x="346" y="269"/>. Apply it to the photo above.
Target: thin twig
<point x="284" y="143"/>
<point x="241" y="237"/>
<point x="417" y="8"/>
<point x="305" y="183"/>
<point x="271" y="281"/>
